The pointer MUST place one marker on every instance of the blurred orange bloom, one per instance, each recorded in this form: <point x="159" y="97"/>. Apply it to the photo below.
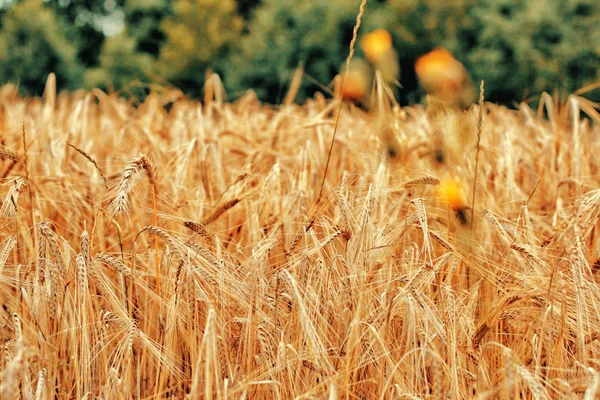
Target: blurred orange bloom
<point x="378" y="49"/>
<point x="376" y="44"/>
<point x="444" y="76"/>
<point x="451" y="192"/>
<point x="358" y="80"/>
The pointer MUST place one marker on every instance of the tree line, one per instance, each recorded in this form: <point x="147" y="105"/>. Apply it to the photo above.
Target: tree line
<point x="520" y="48"/>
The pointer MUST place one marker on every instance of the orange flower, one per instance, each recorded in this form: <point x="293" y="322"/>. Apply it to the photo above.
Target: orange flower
<point x="451" y="192"/>
<point x="444" y="76"/>
<point x="358" y="80"/>
<point x="378" y="49"/>
<point x="376" y="44"/>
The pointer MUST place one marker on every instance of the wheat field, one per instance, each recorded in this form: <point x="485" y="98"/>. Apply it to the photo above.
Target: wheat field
<point x="173" y="249"/>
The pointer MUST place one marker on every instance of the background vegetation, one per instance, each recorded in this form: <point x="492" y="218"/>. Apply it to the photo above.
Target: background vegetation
<point x="519" y="48"/>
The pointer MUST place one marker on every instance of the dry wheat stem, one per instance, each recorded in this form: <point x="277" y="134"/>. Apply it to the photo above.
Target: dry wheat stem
<point x="363" y="291"/>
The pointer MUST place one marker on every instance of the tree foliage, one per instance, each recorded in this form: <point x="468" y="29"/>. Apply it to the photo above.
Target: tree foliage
<point x="285" y="33"/>
<point x="519" y="47"/>
<point x="128" y="60"/>
<point x="245" y="7"/>
<point x="525" y="47"/>
<point x="33" y="43"/>
<point x="120" y="65"/>
<point x="199" y="36"/>
<point x="142" y="21"/>
<point x="86" y="19"/>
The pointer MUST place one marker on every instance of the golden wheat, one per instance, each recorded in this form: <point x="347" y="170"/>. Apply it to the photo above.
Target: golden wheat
<point x="281" y="291"/>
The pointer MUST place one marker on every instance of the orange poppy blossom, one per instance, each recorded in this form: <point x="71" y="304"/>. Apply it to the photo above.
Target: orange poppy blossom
<point x="358" y="81"/>
<point x="377" y="46"/>
<point x="451" y="192"/>
<point x="443" y="76"/>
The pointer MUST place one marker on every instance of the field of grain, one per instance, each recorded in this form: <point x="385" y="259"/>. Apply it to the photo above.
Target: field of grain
<point x="173" y="249"/>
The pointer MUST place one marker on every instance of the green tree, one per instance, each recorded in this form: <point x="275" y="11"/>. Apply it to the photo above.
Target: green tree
<point x="89" y="19"/>
<point x="128" y="60"/>
<point x="200" y="34"/>
<point x="142" y="20"/>
<point x="4" y="7"/>
<point x="33" y="43"/>
<point x="284" y="33"/>
<point x="519" y="47"/>
<point x="526" y="47"/>
<point x="120" y="66"/>
<point x="245" y="7"/>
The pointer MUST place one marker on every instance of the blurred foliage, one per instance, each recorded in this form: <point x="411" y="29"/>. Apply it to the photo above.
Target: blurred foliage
<point x="33" y="43"/>
<point x="85" y="16"/>
<point x="128" y="60"/>
<point x="121" y="66"/>
<point x="199" y="36"/>
<point x="284" y="33"/>
<point x="142" y="21"/>
<point x="522" y="48"/>
<point x="519" y="47"/>
<point x="245" y="7"/>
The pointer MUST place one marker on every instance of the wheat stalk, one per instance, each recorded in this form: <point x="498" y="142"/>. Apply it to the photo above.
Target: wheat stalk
<point x="293" y="286"/>
<point x="9" y="204"/>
